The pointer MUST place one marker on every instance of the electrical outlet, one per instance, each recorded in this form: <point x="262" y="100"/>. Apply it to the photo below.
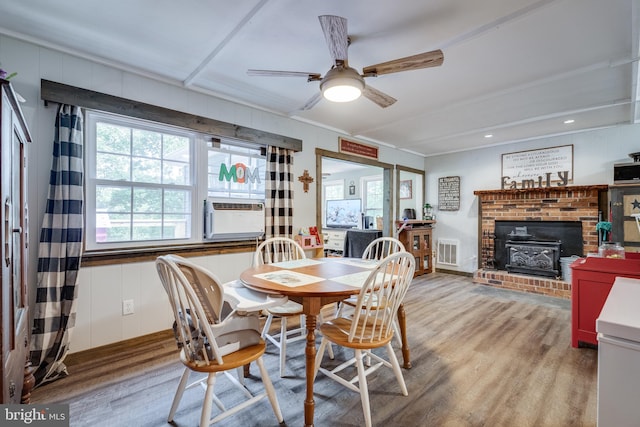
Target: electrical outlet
<point x="127" y="307"/>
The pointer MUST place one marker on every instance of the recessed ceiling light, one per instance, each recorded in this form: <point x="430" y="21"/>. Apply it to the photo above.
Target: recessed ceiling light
<point x="568" y="122"/>
<point x="488" y="135"/>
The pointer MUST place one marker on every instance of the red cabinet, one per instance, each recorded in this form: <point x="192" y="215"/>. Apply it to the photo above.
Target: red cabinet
<point x="591" y="281"/>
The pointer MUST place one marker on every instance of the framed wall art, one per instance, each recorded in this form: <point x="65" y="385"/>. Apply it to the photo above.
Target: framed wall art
<point x="449" y="193"/>
<point x="405" y="189"/>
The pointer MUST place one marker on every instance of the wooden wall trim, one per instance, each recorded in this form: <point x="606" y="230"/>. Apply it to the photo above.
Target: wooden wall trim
<point x="120" y="256"/>
<point x="557" y="189"/>
<point x="65" y="94"/>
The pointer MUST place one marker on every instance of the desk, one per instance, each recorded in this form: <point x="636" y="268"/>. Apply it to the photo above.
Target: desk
<point x="315" y="283"/>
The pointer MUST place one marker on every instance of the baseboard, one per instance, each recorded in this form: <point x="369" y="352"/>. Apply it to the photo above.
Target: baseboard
<point x="457" y="273"/>
<point x="96" y="352"/>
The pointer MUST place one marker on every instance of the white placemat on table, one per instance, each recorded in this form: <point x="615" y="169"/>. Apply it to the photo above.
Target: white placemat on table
<point x="359" y="262"/>
<point x="296" y="263"/>
<point x="356" y="279"/>
<point x="291" y="279"/>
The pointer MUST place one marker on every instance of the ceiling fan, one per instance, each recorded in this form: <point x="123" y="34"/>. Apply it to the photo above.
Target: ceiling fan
<point x="343" y="83"/>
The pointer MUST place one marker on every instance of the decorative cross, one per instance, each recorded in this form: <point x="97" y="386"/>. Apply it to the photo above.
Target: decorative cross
<point x="305" y="179"/>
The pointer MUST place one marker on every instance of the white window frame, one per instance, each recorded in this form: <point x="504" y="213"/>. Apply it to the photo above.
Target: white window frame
<point x="200" y="145"/>
<point x="227" y="148"/>
<point x="363" y="185"/>
<point x="331" y="183"/>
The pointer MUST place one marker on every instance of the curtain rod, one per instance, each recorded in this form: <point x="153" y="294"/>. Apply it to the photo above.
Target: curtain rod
<point x="64" y="94"/>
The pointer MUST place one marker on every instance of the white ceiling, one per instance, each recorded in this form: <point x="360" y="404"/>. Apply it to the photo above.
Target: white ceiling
<point x="515" y="69"/>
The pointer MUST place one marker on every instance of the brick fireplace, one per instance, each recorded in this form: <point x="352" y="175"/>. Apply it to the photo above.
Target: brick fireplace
<point x="571" y="203"/>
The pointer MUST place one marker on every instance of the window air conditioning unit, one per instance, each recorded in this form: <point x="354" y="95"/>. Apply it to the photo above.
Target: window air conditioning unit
<point x="229" y="219"/>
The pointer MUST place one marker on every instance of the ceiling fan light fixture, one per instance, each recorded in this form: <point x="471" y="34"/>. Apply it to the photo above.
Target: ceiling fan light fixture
<point x="342" y="85"/>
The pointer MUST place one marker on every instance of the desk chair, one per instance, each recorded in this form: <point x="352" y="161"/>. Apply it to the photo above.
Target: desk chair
<point x="370" y="327"/>
<point x="211" y="341"/>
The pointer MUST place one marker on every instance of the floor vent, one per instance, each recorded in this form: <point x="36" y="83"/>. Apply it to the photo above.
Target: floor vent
<point x="448" y="251"/>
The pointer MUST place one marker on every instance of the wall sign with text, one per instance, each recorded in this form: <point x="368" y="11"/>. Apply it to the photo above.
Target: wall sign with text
<point x="449" y="193"/>
<point x="357" y="148"/>
<point x="538" y="168"/>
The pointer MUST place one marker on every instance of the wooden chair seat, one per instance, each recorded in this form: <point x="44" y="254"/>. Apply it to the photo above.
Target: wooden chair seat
<point x="290" y="308"/>
<point x="337" y="331"/>
<point x="234" y="360"/>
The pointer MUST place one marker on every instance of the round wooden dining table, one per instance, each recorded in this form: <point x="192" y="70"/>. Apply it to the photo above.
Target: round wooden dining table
<point x="315" y="283"/>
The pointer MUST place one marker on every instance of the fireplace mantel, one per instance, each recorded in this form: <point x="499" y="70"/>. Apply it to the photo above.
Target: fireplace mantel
<point x="516" y="191"/>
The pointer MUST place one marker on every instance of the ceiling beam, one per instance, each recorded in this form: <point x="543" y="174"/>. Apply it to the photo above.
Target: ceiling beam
<point x="198" y="70"/>
<point x="495" y="24"/>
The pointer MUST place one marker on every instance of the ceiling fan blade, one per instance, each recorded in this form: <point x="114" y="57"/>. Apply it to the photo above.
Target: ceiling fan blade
<point x="275" y="73"/>
<point x="415" y="62"/>
<point x="335" y="33"/>
<point x="312" y="101"/>
<point x="380" y="98"/>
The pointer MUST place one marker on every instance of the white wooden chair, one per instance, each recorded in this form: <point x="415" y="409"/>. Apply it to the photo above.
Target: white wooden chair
<point x="377" y="250"/>
<point x="370" y="327"/>
<point x="382" y="247"/>
<point x="272" y="250"/>
<point x="210" y="340"/>
<point x="281" y="249"/>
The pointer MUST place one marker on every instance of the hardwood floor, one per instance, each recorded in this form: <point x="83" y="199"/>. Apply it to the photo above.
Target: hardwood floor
<point x="481" y="356"/>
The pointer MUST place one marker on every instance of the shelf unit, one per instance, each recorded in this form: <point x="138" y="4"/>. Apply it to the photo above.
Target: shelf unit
<point x="311" y="242"/>
<point x="333" y="242"/>
<point x="625" y="201"/>
<point x="416" y="237"/>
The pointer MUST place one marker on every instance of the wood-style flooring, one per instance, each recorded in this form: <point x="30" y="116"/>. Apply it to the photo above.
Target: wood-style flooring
<point x="481" y="356"/>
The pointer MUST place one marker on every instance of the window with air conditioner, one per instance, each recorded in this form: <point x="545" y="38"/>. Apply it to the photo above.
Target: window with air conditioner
<point x="146" y="182"/>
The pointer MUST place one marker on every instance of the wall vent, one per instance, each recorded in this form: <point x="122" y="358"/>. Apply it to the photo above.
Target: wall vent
<point x="447" y="252"/>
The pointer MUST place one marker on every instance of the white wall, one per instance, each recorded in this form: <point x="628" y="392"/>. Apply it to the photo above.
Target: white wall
<point x="594" y="154"/>
<point x="102" y="289"/>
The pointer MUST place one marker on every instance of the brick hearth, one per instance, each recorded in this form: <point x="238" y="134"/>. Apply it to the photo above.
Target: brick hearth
<point x="574" y="203"/>
<point x="522" y="282"/>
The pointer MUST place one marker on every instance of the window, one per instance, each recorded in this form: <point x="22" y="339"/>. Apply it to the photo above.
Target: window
<point x="145" y="184"/>
<point x="331" y="190"/>
<point x="373" y="192"/>
<point x="235" y="172"/>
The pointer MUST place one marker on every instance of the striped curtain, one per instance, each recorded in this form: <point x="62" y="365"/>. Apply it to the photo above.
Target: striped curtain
<point x="60" y="250"/>
<point x="279" y="193"/>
